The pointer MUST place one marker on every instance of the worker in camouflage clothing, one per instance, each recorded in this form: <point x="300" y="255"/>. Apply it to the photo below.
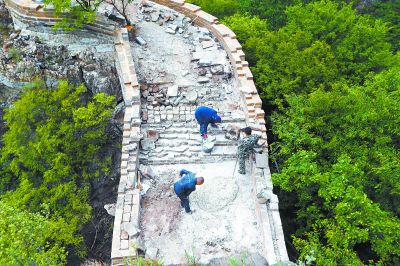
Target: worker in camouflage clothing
<point x="245" y="147"/>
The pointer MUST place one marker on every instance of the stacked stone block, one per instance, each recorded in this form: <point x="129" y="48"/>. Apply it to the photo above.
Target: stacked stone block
<point x="126" y="223"/>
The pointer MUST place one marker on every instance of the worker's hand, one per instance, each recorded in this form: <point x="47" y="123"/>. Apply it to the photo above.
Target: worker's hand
<point x="205" y="136"/>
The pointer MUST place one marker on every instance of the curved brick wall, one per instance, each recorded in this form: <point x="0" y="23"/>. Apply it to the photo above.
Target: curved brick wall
<point x="275" y="248"/>
<point x="33" y="16"/>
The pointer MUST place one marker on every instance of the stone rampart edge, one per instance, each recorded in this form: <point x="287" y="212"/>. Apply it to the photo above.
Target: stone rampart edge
<point x="35" y="15"/>
<point x="126" y="222"/>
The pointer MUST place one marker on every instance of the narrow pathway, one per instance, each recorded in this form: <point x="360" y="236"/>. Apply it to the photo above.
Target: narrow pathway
<point x="181" y="67"/>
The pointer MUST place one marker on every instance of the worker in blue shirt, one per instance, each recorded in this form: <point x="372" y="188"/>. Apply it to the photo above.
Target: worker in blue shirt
<point x="186" y="185"/>
<point x="204" y="116"/>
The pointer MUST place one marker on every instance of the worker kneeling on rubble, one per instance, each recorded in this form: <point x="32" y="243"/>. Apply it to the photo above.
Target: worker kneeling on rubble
<point x="186" y="185"/>
<point x="204" y="116"/>
<point x="245" y="147"/>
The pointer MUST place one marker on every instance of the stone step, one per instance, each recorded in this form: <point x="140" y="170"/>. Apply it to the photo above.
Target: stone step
<point x="166" y="120"/>
<point x="187" y="160"/>
<point x="193" y="152"/>
<point x="191" y="128"/>
<point x="177" y="140"/>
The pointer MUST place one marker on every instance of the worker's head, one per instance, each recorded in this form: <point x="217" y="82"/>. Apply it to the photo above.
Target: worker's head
<point x="246" y="131"/>
<point x="199" y="180"/>
<point x="217" y="119"/>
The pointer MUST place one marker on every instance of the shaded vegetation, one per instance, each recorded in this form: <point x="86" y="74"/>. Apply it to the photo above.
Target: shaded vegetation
<point x="52" y="148"/>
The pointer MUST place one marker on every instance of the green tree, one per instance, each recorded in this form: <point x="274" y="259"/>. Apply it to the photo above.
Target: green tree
<point x="339" y="153"/>
<point x="221" y="8"/>
<point x="24" y="239"/>
<point x="328" y="73"/>
<point x="272" y="11"/>
<point x="322" y="42"/>
<point x="51" y="150"/>
<point x="74" y="13"/>
<point x="389" y="12"/>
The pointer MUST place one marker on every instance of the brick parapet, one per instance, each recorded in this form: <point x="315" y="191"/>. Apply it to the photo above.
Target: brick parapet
<point x="126" y="222"/>
<point x="35" y="16"/>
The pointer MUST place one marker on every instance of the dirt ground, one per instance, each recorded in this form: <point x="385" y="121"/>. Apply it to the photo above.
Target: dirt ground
<point x="223" y="224"/>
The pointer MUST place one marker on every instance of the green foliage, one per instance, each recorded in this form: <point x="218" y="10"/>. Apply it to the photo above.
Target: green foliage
<point x="220" y="8"/>
<point x="191" y="258"/>
<point x="140" y="261"/>
<point x="389" y="12"/>
<point x="249" y="30"/>
<point x="15" y="55"/>
<point x="238" y="262"/>
<point x="51" y="150"/>
<point x="24" y="239"/>
<point x="333" y="80"/>
<point x="272" y="11"/>
<point x="340" y="153"/>
<point x="321" y="43"/>
<point x="74" y="13"/>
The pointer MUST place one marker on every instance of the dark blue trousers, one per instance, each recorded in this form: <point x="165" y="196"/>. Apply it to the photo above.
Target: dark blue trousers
<point x="185" y="203"/>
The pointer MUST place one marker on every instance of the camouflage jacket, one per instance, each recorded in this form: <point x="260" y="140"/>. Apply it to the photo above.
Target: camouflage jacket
<point x="246" y="145"/>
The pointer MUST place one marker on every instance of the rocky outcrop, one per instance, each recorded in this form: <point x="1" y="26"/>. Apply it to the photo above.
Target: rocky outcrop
<point x="5" y="18"/>
<point x="25" y="57"/>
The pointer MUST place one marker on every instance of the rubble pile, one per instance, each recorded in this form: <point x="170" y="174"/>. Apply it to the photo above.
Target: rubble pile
<point x="209" y="64"/>
<point x="181" y="66"/>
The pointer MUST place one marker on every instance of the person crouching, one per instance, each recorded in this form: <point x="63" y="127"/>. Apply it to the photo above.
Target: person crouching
<point x="204" y="116"/>
<point x="186" y="185"/>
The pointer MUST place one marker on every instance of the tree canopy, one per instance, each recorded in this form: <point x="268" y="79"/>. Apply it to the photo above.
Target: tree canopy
<point x="339" y="151"/>
<point x="52" y="148"/>
<point x="74" y="13"/>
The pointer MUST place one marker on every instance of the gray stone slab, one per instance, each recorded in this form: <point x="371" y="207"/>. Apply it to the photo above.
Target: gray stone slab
<point x="261" y="160"/>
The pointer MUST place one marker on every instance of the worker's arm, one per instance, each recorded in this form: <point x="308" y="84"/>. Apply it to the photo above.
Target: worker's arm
<point x="254" y="139"/>
<point x="184" y="172"/>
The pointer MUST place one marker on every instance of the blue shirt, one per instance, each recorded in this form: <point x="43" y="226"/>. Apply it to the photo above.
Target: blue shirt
<point x="186" y="185"/>
<point x="204" y="116"/>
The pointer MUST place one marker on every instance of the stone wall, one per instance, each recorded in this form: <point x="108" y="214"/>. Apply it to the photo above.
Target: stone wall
<point x="29" y="15"/>
<point x="275" y="248"/>
<point x="126" y="222"/>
